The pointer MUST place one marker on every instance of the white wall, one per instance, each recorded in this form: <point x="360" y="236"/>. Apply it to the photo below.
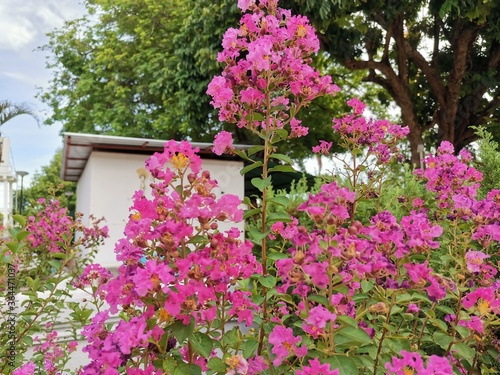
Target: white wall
<point x="109" y="181"/>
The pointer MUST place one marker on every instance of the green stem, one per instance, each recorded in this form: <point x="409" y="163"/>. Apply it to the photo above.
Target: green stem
<point x="384" y="332"/>
<point x="263" y="213"/>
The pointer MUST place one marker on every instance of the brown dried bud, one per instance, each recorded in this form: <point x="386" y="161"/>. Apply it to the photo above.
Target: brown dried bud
<point x="379" y="308"/>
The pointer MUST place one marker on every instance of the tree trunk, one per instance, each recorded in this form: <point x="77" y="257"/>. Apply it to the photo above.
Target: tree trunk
<point x="415" y="136"/>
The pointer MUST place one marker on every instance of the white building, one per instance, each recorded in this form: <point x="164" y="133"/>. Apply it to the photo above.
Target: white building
<point x="109" y="169"/>
<point x="7" y="180"/>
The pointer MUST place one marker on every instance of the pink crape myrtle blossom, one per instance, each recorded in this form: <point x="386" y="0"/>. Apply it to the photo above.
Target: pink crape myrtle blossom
<point x="318" y="318"/>
<point x="323" y="148"/>
<point x="448" y="175"/>
<point x="474" y="260"/>
<point x="257" y="365"/>
<point x="26" y="369"/>
<point x="317" y="368"/>
<point x="284" y="344"/>
<point x="379" y="136"/>
<point x="223" y="142"/>
<point x="237" y="365"/>
<point x="474" y="324"/>
<point x="412" y="363"/>
<point x="270" y="48"/>
<point x="483" y="299"/>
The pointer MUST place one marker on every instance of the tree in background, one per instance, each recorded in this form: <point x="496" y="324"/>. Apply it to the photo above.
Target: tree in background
<point x="438" y="59"/>
<point x="47" y="183"/>
<point x="141" y="69"/>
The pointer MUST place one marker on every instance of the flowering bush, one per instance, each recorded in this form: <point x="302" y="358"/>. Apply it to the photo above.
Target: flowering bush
<point x="344" y="287"/>
<point x="44" y="254"/>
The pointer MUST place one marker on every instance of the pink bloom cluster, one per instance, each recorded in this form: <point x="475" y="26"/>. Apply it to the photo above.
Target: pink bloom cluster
<point x="316" y="368"/>
<point x="52" y="229"/>
<point x="167" y="276"/>
<point x="270" y="48"/>
<point x="380" y="136"/>
<point x="53" y="354"/>
<point x="412" y="363"/>
<point x="450" y="176"/>
<point x="49" y="225"/>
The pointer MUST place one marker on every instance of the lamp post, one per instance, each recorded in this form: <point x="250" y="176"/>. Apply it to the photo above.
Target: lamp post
<point x="22" y="174"/>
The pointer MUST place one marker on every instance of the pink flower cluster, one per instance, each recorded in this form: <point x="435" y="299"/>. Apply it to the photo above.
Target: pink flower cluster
<point x="53" y="353"/>
<point x="450" y="177"/>
<point x="53" y="230"/>
<point x="269" y="49"/>
<point x="49" y="226"/>
<point x="379" y="136"/>
<point x="167" y="275"/>
<point x="412" y="363"/>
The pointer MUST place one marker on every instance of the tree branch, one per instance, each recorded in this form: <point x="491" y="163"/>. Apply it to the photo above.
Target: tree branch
<point x="430" y="72"/>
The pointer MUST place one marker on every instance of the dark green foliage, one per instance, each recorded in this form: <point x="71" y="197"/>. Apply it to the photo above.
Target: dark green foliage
<point x="141" y="69"/>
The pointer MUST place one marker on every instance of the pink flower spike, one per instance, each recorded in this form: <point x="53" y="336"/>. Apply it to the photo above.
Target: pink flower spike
<point x="223" y="142"/>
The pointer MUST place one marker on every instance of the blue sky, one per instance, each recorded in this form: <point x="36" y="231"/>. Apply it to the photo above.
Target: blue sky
<point x="23" y="28"/>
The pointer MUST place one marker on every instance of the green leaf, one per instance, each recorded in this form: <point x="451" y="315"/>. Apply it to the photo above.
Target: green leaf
<point x="242" y="154"/>
<point x="250" y="213"/>
<point x="19" y="219"/>
<point x="22" y="235"/>
<point x="283" y="169"/>
<point x="347" y="320"/>
<point x="56" y="264"/>
<point x="182" y="331"/>
<point x="255" y="235"/>
<point x="442" y="339"/>
<point x="187" y="369"/>
<point x="276" y="256"/>
<point x="464" y="332"/>
<point x="278" y="216"/>
<point x="464" y="351"/>
<point x="268" y="281"/>
<point x="279" y="107"/>
<point x="249" y="347"/>
<point x="250" y="167"/>
<point x="282" y="157"/>
<point x="345" y="364"/>
<point x="217" y="365"/>
<point x="28" y="340"/>
<point x="366" y="286"/>
<point x="255" y="116"/>
<point x="202" y="343"/>
<point x="319" y="299"/>
<point x="348" y="337"/>
<point x="232" y="337"/>
<point x="279" y="200"/>
<point x="261" y="184"/>
<point x="282" y="134"/>
<point x="254" y="149"/>
<point x="13" y="246"/>
<point x="398" y="344"/>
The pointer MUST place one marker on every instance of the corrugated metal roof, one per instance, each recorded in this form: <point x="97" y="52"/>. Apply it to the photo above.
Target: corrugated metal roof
<point x="78" y="147"/>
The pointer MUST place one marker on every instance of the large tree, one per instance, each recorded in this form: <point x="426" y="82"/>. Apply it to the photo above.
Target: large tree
<point x="438" y="59"/>
<point x="141" y="68"/>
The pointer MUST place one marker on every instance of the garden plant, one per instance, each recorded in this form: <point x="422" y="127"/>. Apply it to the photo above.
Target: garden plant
<point x="343" y="282"/>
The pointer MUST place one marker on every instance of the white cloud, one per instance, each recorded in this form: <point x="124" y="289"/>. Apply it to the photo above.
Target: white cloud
<point x="21" y="26"/>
